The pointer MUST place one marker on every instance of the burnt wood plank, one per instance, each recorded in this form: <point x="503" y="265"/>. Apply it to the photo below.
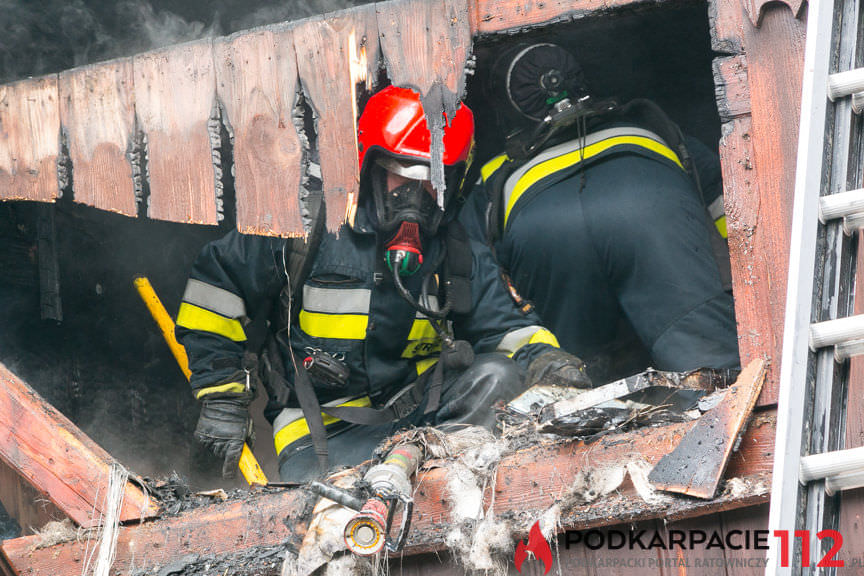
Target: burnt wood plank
<point x="775" y="61"/>
<point x="850" y="523"/>
<point x="175" y="96"/>
<point x="726" y="20"/>
<point x="746" y="561"/>
<point x="325" y="49"/>
<point x="257" y="84"/>
<point x="426" y="46"/>
<point x="756" y="8"/>
<point x="731" y="87"/>
<point x="29" y="140"/>
<point x="23" y="503"/>
<point x="98" y="117"/>
<point x="698" y="560"/>
<point x="528" y="482"/>
<point x="495" y="16"/>
<point x="696" y="466"/>
<point x="56" y="458"/>
<point x="425" y="43"/>
<point x="270" y="519"/>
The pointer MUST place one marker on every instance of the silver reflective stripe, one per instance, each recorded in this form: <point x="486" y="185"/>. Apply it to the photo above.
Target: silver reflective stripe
<point x="336" y="301"/>
<point x="572" y="146"/>
<point x="214" y="299"/>
<point x="289" y="415"/>
<point x="716" y="209"/>
<point x="516" y="339"/>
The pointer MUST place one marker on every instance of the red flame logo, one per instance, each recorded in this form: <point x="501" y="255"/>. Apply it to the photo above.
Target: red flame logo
<point x="538" y="547"/>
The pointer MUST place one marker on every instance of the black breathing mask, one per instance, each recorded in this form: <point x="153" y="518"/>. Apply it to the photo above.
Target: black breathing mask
<point x="405" y="212"/>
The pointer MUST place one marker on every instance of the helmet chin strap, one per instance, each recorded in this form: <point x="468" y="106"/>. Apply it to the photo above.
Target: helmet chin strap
<point x="403" y="253"/>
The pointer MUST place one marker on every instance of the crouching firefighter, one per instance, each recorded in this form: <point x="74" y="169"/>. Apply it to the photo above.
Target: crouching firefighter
<point x="596" y="212"/>
<point x="397" y="320"/>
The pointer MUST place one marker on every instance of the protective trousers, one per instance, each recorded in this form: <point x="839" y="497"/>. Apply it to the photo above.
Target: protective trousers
<point x="466" y="398"/>
<point x="625" y="240"/>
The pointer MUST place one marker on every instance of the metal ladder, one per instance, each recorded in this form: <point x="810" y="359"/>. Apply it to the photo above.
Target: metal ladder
<point x="819" y="333"/>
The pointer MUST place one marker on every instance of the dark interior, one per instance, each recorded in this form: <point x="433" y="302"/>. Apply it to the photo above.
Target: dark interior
<point x="105" y="364"/>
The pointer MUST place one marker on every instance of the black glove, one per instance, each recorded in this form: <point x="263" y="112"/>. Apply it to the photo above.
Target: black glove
<point x="224" y="426"/>
<point x="557" y="368"/>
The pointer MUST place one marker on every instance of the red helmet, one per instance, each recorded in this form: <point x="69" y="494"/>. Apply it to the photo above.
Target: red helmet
<point x="393" y="121"/>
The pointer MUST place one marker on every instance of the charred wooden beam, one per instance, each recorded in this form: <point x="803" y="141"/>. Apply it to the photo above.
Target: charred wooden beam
<point x="696" y="466"/>
<point x="528" y="483"/>
<point x="49" y="268"/>
<point x="56" y="458"/>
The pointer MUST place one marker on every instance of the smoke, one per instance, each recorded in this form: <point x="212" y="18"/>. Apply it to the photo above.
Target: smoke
<point x="46" y="36"/>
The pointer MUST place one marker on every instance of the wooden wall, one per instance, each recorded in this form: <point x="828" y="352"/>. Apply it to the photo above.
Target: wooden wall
<point x="142" y="134"/>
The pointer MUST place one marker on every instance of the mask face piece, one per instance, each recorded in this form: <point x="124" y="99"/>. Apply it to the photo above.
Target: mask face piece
<point x="410" y="201"/>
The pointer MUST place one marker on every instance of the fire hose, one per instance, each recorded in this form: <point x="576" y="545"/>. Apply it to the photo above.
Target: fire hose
<point x="385" y="487"/>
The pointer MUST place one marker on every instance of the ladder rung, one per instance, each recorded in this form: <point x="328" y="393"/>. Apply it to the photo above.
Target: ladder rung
<point x="846" y="350"/>
<point x="853" y="223"/>
<point x="818" y="466"/>
<point x="841" y="205"/>
<point x="834" y="484"/>
<point x="858" y="102"/>
<point x="845" y="83"/>
<point x="833" y="332"/>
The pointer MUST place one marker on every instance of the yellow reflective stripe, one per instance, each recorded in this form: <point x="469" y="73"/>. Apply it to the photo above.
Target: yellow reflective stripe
<point x="344" y="326"/>
<point x="230" y="387"/>
<point x="195" y="318"/>
<point x="544" y="336"/>
<point x="553" y="165"/>
<point x="425" y="364"/>
<point x="297" y="429"/>
<point x="720" y="223"/>
<point x="422" y="329"/>
<point x="490" y="167"/>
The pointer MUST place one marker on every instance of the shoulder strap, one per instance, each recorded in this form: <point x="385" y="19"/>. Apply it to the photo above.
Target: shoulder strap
<point x="457" y="268"/>
<point x="300" y="256"/>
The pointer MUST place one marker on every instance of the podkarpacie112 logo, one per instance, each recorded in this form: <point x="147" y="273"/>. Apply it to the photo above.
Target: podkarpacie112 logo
<point x="537" y="546"/>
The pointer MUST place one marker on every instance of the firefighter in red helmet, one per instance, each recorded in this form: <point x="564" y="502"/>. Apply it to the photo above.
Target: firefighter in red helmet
<point x="397" y="320"/>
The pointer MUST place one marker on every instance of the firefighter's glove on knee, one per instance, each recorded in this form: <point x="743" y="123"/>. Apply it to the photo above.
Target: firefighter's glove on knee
<point x="224" y="426"/>
<point x="558" y="368"/>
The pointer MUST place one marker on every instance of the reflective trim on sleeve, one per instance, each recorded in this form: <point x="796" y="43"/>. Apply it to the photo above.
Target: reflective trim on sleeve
<point x="492" y="166"/>
<point x="336" y="301"/>
<point x="290" y="425"/>
<point x="342" y="326"/>
<point x="569" y="154"/>
<point x="214" y="299"/>
<point x="237" y="387"/>
<point x="544" y="337"/>
<point x="516" y="339"/>
<point x="195" y="318"/>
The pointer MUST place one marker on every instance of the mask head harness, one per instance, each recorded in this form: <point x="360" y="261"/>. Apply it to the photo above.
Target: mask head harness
<point x="538" y="90"/>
